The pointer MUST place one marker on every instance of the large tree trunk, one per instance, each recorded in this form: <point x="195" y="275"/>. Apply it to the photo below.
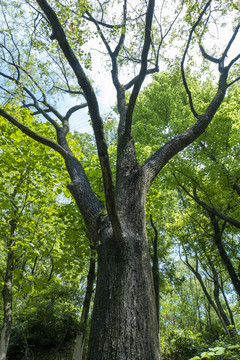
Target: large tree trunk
<point x="124" y="322"/>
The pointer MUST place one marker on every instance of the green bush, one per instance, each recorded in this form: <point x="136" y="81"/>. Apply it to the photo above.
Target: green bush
<point x="180" y="345"/>
<point x="45" y="322"/>
<point x="225" y="349"/>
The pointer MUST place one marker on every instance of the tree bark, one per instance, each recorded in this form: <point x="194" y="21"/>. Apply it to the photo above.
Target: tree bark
<point x="219" y="305"/>
<point x="7" y="295"/>
<point x="124" y="321"/>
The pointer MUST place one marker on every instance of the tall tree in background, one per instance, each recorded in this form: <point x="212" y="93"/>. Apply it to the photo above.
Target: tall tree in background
<point x="124" y="321"/>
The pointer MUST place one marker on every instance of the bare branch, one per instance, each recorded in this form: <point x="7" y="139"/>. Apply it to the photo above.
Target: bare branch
<point x="196" y="115"/>
<point x="100" y="33"/>
<point x="73" y="109"/>
<point x="123" y="31"/>
<point x="69" y="91"/>
<point x="143" y="69"/>
<point x="134" y="80"/>
<point x="221" y="60"/>
<point x="230" y="43"/>
<point x="109" y="26"/>
<point x="208" y="57"/>
<point x="234" y="81"/>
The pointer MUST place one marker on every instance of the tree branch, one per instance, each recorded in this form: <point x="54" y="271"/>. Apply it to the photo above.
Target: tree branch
<point x="184" y="58"/>
<point x="161" y="157"/>
<point x="60" y="36"/>
<point x="109" y="26"/>
<point x="143" y="69"/>
<point x="73" y="109"/>
<point x="136" y="79"/>
<point x="35" y="101"/>
<point x="123" y="31"/>
<point x="215" y="212"/>
<point x="33" y="135"/>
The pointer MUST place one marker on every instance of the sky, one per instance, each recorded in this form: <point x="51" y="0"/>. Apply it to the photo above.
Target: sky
<point x="106" y="94"/>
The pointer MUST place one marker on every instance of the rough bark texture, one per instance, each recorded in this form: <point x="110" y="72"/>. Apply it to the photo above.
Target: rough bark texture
<point x="124" y="322"/>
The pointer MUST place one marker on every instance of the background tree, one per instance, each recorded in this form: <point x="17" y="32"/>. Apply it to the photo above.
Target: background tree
<point x="36" y="228"/>
<point x="186" y="225"/>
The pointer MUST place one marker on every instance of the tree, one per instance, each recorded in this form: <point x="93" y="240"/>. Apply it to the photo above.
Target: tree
<point x="124" y="324"/>
<point x="23" y="230"/>
<point x="212" y="176"/>
<point x="34" y="242"/>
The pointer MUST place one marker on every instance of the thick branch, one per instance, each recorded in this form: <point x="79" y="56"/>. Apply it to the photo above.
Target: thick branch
<point x="73" y="109"/>
<point x="221" y="60"/>
<point x="208" y="57"/>
<point x="80" y="188"/>
<point x="136" y="79"/>
<point x="143" y="69"/>
<point x="123" y="31"/>
<point x="161" y="157"/>
<point x="59" y="35"/>
<point x="32" y="134"/>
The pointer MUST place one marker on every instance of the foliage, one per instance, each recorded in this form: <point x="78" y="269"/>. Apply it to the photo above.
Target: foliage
<point x="181" y="222"/>
<point x="221" y="350"/>
<point x="47" y="319"/>
<point x="179" y="344"/>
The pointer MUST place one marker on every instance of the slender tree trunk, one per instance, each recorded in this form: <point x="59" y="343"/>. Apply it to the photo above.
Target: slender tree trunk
<point x="198" y="304"/>
<point x="219" y="305"/>
<point x="80" y="340"/>
<point x="7" y="296"/>
<point x="208" y="296"/>
<point x="227" y="304"/>
<point x="224" y="255"/>
<point x="155" y="267"/>
<point x="216" y="293"/>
